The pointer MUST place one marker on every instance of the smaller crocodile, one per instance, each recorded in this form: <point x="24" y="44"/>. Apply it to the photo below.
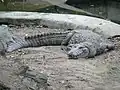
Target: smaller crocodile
<point x="76" y="43"/>
<point x="5" y="38"/>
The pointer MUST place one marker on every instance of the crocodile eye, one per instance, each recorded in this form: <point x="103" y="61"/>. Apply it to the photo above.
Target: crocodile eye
<point x="85" y="50"/>
<point x="75" y="46"/>
<point x="70" y="46"/>
<point x="80" y="47"/>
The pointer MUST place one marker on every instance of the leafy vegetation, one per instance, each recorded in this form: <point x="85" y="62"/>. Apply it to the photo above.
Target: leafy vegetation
<point x="20" y="6"/>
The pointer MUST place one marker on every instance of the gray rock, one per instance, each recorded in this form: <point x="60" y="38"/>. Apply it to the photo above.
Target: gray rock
<point x="16" y="76"/>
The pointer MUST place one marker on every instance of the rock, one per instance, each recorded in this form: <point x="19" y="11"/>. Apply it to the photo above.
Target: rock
<point x="35" y="80"/>
<point x="17" y="76"/>
<point x="62" y="21"/>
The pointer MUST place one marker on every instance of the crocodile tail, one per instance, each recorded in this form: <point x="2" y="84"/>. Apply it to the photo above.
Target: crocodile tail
<point x="18" y="43"/>
<point x="45" y="39"/>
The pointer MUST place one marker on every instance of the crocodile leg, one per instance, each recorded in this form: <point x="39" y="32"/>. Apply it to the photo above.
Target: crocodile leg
<point x="66" y="40"/>
<point x="104" y="47"/>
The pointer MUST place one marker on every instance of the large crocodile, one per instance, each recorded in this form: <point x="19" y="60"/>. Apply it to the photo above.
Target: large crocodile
<point x="76" y="43"/>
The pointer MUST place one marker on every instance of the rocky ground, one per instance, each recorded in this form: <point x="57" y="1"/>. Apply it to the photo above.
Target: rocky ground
<point x="99" y="73"/>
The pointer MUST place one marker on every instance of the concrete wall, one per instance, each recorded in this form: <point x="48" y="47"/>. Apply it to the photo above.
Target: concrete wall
<point x="114" y="11"/>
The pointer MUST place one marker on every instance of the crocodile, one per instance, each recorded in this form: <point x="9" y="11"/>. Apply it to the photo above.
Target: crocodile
<point x="76" y="43"/>
<point x="5" y="38"/>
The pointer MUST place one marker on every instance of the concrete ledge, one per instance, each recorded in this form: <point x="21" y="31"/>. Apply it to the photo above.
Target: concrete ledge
<point x="62" y="21"/>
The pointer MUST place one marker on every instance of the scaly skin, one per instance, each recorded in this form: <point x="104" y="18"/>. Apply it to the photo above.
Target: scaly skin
<point x="46" y="39"/>
<point x="5" y="38"/>
<point x="95" y="44"/>
<point x="78" y="43"/>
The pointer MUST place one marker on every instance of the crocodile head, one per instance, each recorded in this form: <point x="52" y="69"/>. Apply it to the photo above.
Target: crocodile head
<point x="75" y="51"/>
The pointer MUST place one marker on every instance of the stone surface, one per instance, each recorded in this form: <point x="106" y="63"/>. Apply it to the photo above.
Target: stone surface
<point x="14" y="75"/>
<point x="99" y="73"/>
<point x="65" y="21"/>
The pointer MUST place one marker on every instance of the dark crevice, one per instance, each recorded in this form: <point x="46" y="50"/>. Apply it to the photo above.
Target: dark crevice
<point x="3" y="87"/>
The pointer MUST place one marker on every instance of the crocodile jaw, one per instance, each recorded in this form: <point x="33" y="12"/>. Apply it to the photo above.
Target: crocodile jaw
<point x="78" y="51"/>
